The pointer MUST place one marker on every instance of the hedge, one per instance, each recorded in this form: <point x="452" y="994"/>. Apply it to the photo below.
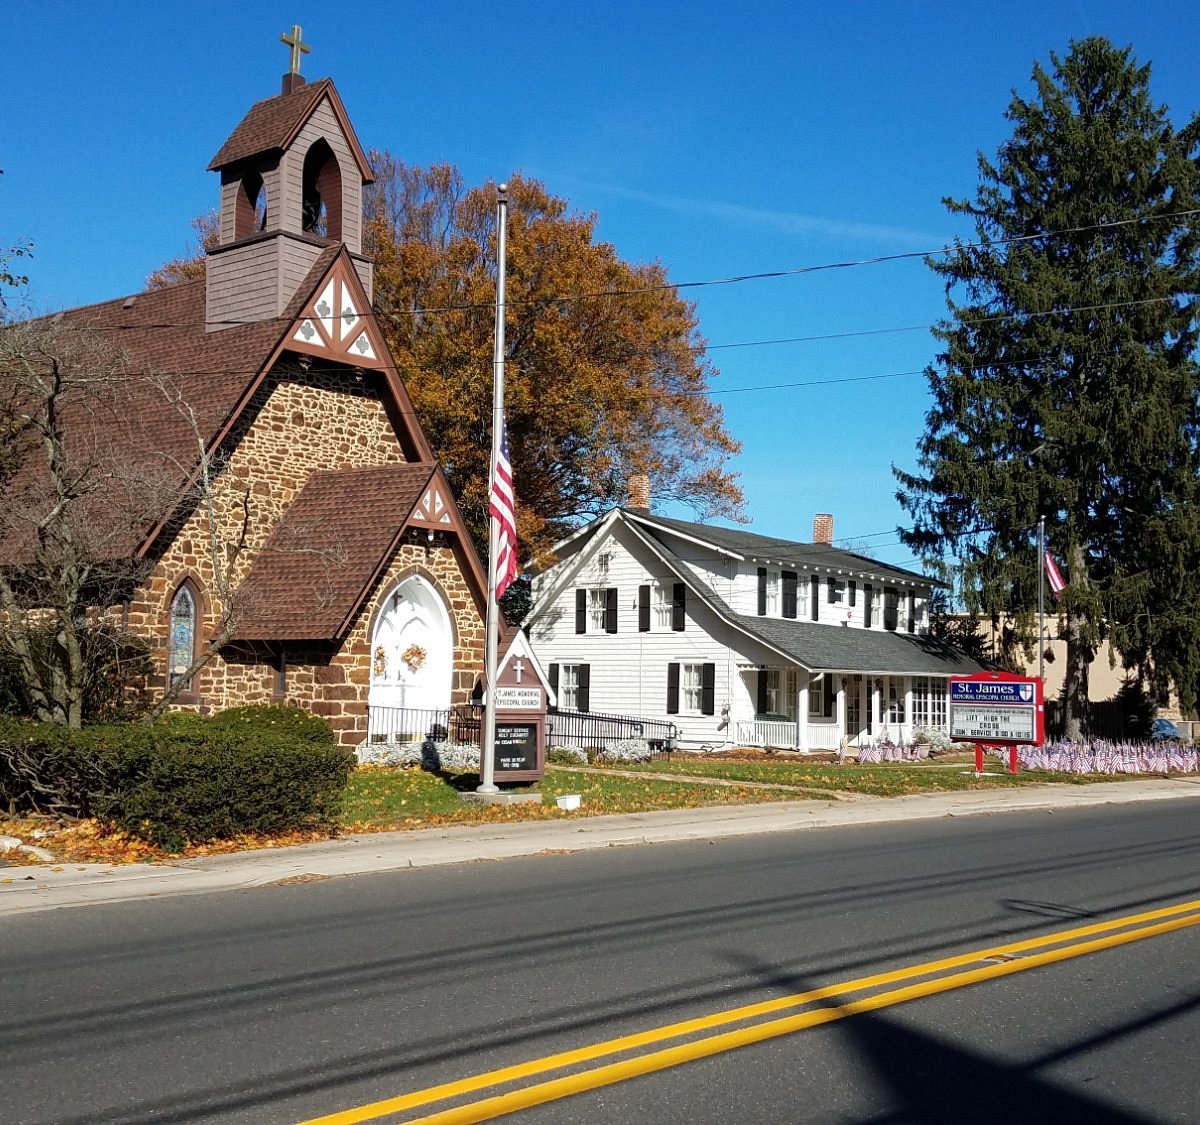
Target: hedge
<point x="261" y="770"/>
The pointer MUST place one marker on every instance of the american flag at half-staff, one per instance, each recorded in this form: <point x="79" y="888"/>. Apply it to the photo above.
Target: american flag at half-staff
<point x="1057" y="583"/>
<point x="503" y="511"/>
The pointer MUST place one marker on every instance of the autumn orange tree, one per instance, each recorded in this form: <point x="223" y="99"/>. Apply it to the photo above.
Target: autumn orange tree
<point x="606" y="375"/>
<point x="190" y="265"/>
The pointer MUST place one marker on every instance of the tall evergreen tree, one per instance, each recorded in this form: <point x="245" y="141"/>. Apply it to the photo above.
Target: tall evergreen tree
<point x="1067" y="386"/>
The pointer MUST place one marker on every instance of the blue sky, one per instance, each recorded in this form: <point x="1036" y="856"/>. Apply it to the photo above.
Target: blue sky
<point x="719" y="139"/>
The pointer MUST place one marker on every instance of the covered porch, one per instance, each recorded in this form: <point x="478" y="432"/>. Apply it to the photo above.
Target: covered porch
<point x="799" y="709"/>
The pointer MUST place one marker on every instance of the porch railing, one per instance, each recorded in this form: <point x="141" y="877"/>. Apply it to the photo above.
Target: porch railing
<point x="770" y="735"/>
<point x="778" y="735"/>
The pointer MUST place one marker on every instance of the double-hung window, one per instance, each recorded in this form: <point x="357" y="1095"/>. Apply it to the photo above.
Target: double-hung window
<point x="691" y="689"/>
<point x="774" y="699"/>
<point x="891" y="608"/>
<point x="572" y="684"/>
<point x="780" y="693"/>
<point x="568" y="687"/>
<point x="816" y="696"/>
<point x="596" y="610"/>
<point x="663" y="605"/>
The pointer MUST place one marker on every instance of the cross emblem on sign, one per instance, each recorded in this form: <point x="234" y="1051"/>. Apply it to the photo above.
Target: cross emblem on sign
<point x="518" y="667"/>
<point x="298" y="46"/>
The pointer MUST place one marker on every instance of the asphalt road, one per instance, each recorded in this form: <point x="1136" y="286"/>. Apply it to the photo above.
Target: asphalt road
<point x="285" y="1003"/>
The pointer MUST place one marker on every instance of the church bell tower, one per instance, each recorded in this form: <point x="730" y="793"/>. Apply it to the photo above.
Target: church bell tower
<point x="292" y="176"/>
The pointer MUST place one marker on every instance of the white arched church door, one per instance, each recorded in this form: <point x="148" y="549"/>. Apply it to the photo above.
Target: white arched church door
<point x="412" y="650"/>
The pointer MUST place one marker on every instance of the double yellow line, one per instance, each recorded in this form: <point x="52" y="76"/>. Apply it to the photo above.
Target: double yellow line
<point x="928" y="979"/>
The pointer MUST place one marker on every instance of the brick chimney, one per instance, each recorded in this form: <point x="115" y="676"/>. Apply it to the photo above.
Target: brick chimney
<point x="823" y="529"/>
<point x="639" y="494"/>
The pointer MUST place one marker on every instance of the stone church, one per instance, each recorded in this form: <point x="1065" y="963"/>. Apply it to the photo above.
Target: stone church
<point x="328" y="521"/>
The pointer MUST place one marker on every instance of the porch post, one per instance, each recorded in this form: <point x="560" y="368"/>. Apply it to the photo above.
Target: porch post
<point x="875" y="717"/>
<point x="802" y="713"/>
<point x="840" y="710"/>
<point x="908" y="712"/>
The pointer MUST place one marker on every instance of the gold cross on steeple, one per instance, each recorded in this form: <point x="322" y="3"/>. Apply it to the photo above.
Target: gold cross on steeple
<point x="298" y="46"/>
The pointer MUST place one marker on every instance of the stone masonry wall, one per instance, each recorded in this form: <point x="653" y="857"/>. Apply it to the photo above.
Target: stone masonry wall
<point x="300" y="422"/>
<point x="337" y="690"/>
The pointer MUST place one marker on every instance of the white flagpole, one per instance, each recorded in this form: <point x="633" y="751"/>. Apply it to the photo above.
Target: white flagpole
<point x="487" y="750"/>
<point x="1042" y="598"/>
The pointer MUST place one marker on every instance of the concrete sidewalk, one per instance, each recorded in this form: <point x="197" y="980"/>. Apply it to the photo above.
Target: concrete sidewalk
<point x="24" y="890"/>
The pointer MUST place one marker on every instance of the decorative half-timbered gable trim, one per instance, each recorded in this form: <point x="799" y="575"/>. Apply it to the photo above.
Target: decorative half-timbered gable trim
<point x="337" y="324"/>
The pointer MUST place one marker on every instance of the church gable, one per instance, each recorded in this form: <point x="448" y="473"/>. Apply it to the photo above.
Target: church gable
<point x="337" y="324"/>
<point x="433" y="509"/>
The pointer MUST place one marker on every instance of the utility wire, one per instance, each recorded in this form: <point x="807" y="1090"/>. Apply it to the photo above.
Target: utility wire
<point x="798" y="271"/>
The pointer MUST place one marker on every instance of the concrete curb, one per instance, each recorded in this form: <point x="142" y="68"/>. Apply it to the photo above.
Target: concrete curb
<point x="25" y="890"/>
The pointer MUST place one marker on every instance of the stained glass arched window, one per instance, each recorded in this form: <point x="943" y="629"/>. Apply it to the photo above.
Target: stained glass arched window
<point x="183" y="633"/>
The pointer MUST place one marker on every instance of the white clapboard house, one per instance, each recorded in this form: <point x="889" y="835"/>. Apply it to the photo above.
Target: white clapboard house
<point x="740" y="638"/>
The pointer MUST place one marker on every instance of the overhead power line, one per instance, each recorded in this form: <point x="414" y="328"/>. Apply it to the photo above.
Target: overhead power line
<point x="798" y="271"/>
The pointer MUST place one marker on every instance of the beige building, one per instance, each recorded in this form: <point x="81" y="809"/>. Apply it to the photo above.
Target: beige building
<point x="1105" y="676"/>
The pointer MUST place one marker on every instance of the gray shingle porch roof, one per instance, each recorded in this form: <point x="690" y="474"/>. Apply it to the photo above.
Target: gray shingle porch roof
<point x="831" y="648"/>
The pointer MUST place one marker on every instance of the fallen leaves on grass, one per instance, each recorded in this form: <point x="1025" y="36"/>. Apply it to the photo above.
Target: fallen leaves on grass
<point x="89" y="841"/>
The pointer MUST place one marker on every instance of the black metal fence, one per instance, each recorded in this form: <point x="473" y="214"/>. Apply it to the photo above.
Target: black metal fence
<point x="406" y="724"/>
<point x="589" y="730"/>
<point x="463" y="724"/>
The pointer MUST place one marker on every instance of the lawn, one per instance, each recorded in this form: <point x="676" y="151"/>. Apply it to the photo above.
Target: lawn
<point x="891" y="780"/>
<point x="380" y="798"/>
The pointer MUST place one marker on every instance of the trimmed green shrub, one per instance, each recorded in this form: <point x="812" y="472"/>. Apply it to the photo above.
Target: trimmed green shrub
<point x="181" y="781"/>
<point x="289" y="721"/>
<point x="47" y="768"/>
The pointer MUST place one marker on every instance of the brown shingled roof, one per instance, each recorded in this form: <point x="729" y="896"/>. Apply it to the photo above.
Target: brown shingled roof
<point x="162" y="333"/>
<point x="270" y="125"/>
<point x="319" y="566"/>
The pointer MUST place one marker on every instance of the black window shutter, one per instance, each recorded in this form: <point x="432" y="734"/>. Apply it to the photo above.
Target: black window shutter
<point x="552" y="672"/>
<point x="643" y="609"/>
<point x="853" y="592"/>
<point x="762" y="591"/>
<point x="868" y="605"/>
<point x="830" y="696"/>
<point x="584" y="693"/>
<point x="814" y="588"/>
<point x="672" y="689"/>
<point x="678" y="606"/>
<point x="831" y="590"/>
<point x="581" y="598"/>
<point x="761" y="703"/>
<point x="912" y="611"/>
<point x="708" y="686"/>
<point x="789" y="594"/>
<point x="610" y="610"/>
